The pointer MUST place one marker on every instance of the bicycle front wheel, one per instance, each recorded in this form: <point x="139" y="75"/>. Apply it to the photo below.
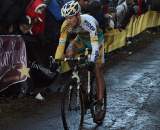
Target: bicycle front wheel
<point x="72" y="108"/>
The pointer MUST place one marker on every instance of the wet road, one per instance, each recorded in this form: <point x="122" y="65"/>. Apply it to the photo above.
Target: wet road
<point x="133" y="85"/>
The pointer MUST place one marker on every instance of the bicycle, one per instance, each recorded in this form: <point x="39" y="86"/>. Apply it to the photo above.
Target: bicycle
<point x="77" y="98"/>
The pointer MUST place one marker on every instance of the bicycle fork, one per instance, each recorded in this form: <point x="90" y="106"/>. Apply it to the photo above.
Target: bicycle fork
<point x="75" y="85"/>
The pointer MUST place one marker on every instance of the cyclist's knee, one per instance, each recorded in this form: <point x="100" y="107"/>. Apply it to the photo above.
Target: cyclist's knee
<point x="70" y="53"/>
<point x="99" y="67"/>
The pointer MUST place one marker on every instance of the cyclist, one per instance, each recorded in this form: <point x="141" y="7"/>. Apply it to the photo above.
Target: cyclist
<point x="89" y="35"/>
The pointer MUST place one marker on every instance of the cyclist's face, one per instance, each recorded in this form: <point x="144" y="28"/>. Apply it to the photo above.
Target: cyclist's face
<point x="73" y="20"/>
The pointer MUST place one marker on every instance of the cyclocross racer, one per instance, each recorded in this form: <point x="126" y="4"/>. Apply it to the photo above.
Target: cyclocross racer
<point x="89" y="35"/>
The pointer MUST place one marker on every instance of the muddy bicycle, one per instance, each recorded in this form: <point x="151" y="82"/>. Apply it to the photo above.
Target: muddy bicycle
<point x="79" y="95"/>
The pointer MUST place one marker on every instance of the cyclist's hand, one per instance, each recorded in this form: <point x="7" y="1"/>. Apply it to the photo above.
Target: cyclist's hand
<point x="53" y="65"/>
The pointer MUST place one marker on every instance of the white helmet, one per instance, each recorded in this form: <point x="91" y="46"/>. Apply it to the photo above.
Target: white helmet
<point x="71" y="8"/>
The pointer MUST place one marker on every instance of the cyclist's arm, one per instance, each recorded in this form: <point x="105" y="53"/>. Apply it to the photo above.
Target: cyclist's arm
<point x="62" y="40"/>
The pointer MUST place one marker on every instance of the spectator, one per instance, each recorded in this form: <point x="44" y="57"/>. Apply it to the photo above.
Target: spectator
<point x="24" y="26"/>
<point x="84" y="5"/>
<point x="96" y="8"/>
<point x="155" y="4"/>
<point x="12" y="10"/>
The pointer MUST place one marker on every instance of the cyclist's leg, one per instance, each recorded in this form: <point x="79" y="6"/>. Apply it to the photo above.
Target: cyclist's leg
<point x="99" y="69"/>
<point x="75" y="47"/>
<point x="100" y="81"/>
<point x="70" y="51"/>
<point x="100" y="108"/>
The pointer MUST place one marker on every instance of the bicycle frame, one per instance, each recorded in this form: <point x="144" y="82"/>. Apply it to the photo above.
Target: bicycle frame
<point x="85" y="96"/>
<point x="76" y="77"/>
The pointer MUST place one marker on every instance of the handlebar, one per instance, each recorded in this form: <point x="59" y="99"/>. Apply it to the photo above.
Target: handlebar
<point x="73" y="59"/>
<point x="81" y="61"/>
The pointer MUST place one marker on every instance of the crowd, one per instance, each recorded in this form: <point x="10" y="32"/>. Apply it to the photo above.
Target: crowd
<point x="39" y="21"/>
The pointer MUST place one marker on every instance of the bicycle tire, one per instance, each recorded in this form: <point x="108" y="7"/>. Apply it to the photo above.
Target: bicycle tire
<point x="66" y="119"/>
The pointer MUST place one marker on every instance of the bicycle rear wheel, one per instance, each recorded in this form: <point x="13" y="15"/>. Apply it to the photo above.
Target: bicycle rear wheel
<point x="93" y="95"/>
<point x="72" y="108"/>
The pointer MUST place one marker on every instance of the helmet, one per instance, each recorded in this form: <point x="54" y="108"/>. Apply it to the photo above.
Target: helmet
<point x="71" y="8"/>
